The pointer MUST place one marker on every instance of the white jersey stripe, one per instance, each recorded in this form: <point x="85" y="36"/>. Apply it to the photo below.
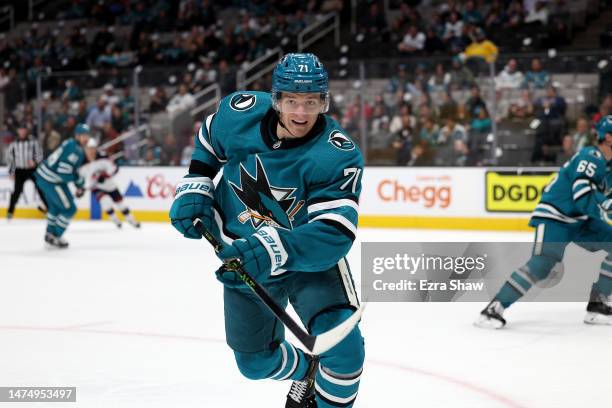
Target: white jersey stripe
<point x="227" y="240"/>
<point x="537" y="250"/>
<point x="48" y="174"/>
<point x="580" y="182"/>
<point x="549" y="208"/>
<point x="295" y="362"/>
<point x="338" y="218"/>
<point x="328" y="205"/>
<point x="559" y="215"/>
<point x="606" y="273"/>
<point x="347" y="281"/>
<point x="62" y="197"/>
<point x="339" y="381"/>
<point x="523" y="274"/>
<point x="516" y="286"/>
<point x="333" y="398"/>
<point x="581" y="193"/>
<point x="205" y="143"/>
<point x="284" y="364"/>
<point x="64" y="168"/>
<point x="553" y="217"/>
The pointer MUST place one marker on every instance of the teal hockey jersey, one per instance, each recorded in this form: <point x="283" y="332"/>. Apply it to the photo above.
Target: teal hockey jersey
<point x="578" y="192"/>
<point x="300" y="196"/>
<point x="62" y="166"/>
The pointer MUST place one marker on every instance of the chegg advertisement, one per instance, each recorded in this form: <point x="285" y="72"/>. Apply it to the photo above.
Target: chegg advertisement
<point x="421" y="191"/>
<point x="514" y="191"/>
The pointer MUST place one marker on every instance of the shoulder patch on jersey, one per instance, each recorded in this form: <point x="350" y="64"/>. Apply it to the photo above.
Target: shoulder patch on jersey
<point x="242" y="102"/>
<point x="340" y="141"/>
<point x="596" y="153"/>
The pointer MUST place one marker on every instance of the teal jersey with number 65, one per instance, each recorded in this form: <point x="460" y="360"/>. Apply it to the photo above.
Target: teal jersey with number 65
<point x="578" y="192"/>
<point x="300" y="195"/>
<point x="62" y="166"/>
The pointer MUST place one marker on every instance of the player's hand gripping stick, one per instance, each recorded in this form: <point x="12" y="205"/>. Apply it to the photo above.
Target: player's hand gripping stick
<point x="313" y="344"/>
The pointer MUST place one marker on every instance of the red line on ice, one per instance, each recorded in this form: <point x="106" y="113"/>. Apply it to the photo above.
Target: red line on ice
<point x="455" y="381"/>
<point x="441" y="377"/>
<point x="76" y="329"/>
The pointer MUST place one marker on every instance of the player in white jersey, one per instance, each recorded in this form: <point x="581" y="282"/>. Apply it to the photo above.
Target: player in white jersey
<point x="98" y="173"/>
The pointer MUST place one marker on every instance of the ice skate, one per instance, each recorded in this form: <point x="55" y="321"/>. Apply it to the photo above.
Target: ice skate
<point x="55" y="242"/>
<point x="301" y="394"/>
<point x="115" y="220"/>
<point x="133" y="223"/>
<point x="599" y="309"/>
<point x="491" y="316"/>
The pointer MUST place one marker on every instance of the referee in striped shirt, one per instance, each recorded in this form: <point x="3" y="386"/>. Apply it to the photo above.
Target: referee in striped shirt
<point x="23" y="155"/>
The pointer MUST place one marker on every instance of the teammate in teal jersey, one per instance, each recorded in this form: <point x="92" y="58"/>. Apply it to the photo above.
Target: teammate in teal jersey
<point x="53" y="176"/>
<point x="287" y="206"/>
<point x="575" y="207"/>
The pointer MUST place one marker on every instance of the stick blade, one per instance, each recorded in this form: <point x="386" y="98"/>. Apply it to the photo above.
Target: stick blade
<point x="329" y="339"/>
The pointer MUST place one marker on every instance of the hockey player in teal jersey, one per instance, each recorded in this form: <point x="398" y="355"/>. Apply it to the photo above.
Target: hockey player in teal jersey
<point x="575" y="207"/>
<point x="287" y="207"/>
<point x="53" y="176"/>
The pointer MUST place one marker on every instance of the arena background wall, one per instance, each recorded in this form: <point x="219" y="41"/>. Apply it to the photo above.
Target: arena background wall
<point x="497" y="199"/>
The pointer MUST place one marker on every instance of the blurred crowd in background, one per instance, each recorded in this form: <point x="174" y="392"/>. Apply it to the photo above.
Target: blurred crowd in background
<point x="440" y="116"/>
<point x="424" y="112"/>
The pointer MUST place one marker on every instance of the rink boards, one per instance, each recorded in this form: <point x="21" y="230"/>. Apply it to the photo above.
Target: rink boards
<point x="392" y="197"/>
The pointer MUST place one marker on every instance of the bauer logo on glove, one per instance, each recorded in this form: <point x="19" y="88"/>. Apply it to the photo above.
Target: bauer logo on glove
<point x="193" y="187"/>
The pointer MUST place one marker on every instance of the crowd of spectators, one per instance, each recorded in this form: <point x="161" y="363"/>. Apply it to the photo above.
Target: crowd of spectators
<point x="438" y="115"/>
<point x="110" y="37"/>
<point x="122" y="33"/>
<point x="448" y="27"/>
<point x="430" y="114"/>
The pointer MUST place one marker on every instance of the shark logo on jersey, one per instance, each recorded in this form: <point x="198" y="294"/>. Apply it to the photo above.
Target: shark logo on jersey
<point x="265" y="204"/>
<point x="242" y="102"/>
<point x="339" y="140"/>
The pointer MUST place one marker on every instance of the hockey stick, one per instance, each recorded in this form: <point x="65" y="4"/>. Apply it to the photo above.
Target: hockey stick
<point x="313" y="344"/>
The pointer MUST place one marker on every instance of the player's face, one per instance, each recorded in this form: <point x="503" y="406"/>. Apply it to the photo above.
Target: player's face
<point x="606" y="146"/>
<point x="299" y="112"/>
<point x="82" y="138"/>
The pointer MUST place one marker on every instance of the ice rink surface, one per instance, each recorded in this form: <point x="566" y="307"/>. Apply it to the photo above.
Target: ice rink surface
<point x="134" y="318"/>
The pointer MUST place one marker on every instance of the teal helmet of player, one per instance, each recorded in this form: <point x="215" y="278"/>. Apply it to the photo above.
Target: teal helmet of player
<point x="81" y="134"/>
<point x="300" y="73"/>
<point x="604" y="127"/>
<point x="82" y="128"/>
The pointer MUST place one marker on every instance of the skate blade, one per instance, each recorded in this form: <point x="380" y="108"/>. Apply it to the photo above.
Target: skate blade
<point x="484" y="322"/>
<point x="597" y="319"/>
<point x="52" y="247"/>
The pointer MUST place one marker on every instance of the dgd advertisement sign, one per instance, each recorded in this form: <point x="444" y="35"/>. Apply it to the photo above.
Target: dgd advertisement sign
<point x="515" y="191"/>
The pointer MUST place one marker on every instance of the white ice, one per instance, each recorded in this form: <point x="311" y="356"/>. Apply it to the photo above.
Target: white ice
<point x="134" y="318"/>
